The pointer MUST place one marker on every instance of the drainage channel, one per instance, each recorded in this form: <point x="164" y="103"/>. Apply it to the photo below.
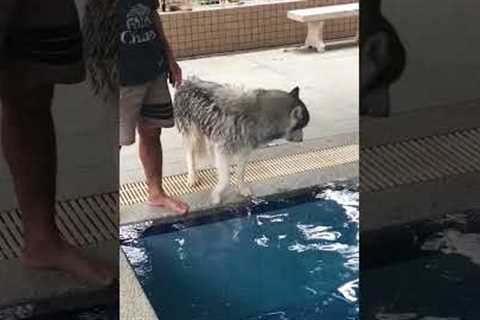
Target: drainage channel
<point x="419" y="160"/>
<point x="82" y="222"/>
<point x="257" y="171"/>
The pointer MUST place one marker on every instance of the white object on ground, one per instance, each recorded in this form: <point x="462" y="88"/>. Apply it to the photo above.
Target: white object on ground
<point x="455" y="242"/>
<point x="315" y="19"/>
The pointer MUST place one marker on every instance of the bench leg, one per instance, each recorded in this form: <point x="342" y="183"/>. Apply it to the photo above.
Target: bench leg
<point x="315" y="36"/>
<point x="357" y="32"/>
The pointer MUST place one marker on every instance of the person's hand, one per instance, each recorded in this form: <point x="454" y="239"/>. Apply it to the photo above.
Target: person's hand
<point x="175" y="74"/>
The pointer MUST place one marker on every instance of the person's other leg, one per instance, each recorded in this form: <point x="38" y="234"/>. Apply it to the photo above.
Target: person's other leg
<point x="42" y="48"/>
<point x="156" y="113"/>
<point x="28" y="139"/>
<point x="29" y="146"/>
<point x="151" y="156"/>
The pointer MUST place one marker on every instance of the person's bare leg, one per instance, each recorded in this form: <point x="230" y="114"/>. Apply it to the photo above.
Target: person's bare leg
<point x="150" y="149"/>
<point x="28" y="139"/>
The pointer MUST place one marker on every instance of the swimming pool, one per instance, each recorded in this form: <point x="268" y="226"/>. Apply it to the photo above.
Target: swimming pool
<point x="429" y="270"/>
<point x="294" y="258"/>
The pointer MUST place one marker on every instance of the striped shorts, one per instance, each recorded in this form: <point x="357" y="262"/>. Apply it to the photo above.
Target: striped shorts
<point x="149" y="103"/>
<point x="43" y="38"/>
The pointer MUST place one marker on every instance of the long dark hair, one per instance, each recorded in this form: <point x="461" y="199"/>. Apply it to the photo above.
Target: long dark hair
<point x="101" y="30"/>
<point x="372" y="21"/>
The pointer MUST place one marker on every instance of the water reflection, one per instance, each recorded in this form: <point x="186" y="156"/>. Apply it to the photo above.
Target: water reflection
<point x="130" y="233"/>
<point x="350" y="291"/>
<point x="271" y="218"/>
<point x="262" y="241"/>
<point x="311" y="232"/>
<point x="349" y="201"/>
<point x="139" y="260"/>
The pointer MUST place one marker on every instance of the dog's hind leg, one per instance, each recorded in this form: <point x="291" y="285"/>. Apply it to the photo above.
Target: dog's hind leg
<point x="191" y="165"/>
<point x="223" y="172"/>
<point x="191" y="158"/>
<point x="243" y="187"/>
<point x="195" y="144"/>
<point x="211" y="153"/>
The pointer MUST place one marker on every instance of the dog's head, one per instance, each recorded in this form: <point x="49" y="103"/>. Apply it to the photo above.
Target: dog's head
<point x="299" y="117"/>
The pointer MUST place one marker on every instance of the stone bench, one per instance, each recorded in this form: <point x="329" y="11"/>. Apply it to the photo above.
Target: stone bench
<point x="315" y="19"/>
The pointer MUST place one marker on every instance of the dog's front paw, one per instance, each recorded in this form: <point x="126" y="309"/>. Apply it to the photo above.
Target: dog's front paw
<point x="192" y="180"/>
<point x="245" y="190"/>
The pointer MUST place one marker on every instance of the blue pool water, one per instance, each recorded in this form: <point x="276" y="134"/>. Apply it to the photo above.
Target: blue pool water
<point x="427" y="271"/>
<point x="282" y="260"/>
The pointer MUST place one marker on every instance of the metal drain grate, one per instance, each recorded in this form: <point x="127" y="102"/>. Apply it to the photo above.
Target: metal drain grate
<point x="419" y="160"/>
<point x="82" y="222"/>
<point x="133" y="193"/>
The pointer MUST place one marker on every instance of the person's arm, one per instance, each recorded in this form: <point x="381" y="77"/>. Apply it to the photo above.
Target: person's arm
<point x="175" y="73"/>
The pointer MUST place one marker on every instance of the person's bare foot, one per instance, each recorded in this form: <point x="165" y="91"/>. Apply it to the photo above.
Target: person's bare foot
<point x="59" y="255"/>
<point x="162" y="200"/>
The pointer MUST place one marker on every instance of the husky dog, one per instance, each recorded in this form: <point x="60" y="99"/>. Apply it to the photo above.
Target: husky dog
<point x="230" y="123"/>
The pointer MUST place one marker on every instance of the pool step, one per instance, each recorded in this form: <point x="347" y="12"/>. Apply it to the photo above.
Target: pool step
<point x="419" y="160"/>
<point x="82" y="222"/>
<point x="257" y="171"/>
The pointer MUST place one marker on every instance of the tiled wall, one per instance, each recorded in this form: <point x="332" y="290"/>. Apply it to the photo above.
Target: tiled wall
<point x="217" y="30"/>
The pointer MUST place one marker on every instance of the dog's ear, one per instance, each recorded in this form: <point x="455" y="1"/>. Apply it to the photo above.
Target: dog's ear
<point x="295" y="92"/>
<point x="297" y="113"/>
<point x="301" y="116"/>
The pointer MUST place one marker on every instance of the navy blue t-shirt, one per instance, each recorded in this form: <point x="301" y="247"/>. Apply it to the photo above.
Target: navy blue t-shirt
<point x="141" y="54"/>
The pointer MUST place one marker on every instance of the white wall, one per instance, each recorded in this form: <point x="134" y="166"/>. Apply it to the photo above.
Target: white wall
<point x="443" y="45"/>
<point x="87" y="145"/>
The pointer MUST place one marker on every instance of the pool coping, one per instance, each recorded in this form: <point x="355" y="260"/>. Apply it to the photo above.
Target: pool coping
<point x="238" y="209"/>
<point x="412" y="203"/>
<point x="421" y="123"/>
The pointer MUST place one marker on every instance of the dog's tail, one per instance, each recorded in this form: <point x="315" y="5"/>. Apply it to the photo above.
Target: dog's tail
<point x="184" y="104"/>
